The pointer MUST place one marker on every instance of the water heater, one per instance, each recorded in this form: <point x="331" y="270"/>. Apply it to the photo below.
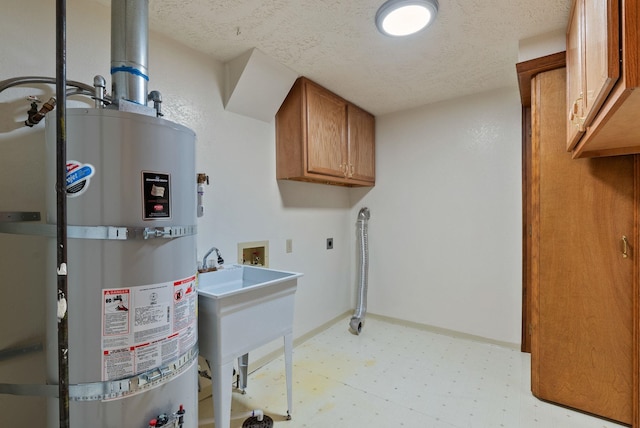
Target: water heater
<point x="131" y="266"/>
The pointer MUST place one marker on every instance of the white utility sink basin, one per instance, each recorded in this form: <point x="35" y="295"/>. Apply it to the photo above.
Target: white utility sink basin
<point x="241" y="308"/>
<point x="240" y="279"/>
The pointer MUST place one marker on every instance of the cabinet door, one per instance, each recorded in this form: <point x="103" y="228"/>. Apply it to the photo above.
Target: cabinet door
<point x="601" y="53"/>
<point x="575" y="78"/>
<point x="361" y="138"/>
<point x="326" y="132"/>
<point x="583" y="285"/>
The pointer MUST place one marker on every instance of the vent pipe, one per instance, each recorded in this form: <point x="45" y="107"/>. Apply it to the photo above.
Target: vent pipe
<point x="357" y="320"/>
<point x="129" y="50"/>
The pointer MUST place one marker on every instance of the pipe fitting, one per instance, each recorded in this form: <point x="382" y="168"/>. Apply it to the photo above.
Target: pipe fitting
<point x="355" y="325"/>
<point x="364" y="214"/>
<point x="100" y="85"/>
<point x="156" y="97"/>
<point x="35" y="115"/>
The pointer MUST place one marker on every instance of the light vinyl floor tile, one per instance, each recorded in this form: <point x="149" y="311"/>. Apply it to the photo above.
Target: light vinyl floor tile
<point x="398" y="376"/>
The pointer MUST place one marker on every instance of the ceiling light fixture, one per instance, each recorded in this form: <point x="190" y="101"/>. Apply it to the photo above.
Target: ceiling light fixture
<point x="405" y="17"/>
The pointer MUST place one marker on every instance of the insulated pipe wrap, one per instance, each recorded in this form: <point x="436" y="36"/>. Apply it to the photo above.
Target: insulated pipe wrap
<point x="357" y="320"/>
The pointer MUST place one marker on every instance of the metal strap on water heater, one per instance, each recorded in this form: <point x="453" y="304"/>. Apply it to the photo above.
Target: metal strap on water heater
<point x="99" y="232"/>
<point x="109" y="390"/>
<point x="13" y="216"/>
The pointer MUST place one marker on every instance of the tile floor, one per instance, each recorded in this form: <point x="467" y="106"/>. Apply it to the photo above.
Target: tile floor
<point x="398" y="376"/>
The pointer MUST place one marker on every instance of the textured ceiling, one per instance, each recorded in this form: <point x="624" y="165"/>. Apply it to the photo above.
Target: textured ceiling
<point x="471" y="47"/>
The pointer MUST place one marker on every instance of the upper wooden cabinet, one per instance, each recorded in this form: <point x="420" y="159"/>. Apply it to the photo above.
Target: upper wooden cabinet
<point x="603" y="73"/>
<point x="593" y="62"/>
<point x="323" y="138"/>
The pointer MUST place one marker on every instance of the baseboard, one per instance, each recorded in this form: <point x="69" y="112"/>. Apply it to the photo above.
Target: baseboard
<point x="445" y="331"/>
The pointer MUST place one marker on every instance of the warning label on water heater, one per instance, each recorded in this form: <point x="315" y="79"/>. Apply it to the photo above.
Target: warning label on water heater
<point x="156" y="195"/>
<point x="147" y="326"/>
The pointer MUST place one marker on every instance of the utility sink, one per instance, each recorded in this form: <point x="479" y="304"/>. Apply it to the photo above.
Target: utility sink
<point x="240" y="279"/>
<point x="241" y="308"/>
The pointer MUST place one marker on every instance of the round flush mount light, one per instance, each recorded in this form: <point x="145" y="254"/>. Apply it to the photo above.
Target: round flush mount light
<point x="405" y="17"/>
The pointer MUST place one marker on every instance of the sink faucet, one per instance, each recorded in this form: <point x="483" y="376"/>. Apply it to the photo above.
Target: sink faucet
<point x="208" y="253"/>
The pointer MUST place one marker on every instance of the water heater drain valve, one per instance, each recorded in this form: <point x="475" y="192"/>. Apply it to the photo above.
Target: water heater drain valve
<point x="202" y="179"/>
<point x="176" y="420"/>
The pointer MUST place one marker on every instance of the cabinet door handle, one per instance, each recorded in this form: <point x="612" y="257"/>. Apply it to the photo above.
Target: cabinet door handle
<point x="625" y="247"/>
<point x="577" y="121"/>
<point x="351" y="170"/>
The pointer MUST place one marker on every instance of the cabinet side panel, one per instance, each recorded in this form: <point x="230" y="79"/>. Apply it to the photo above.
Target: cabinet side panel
<point x="575" y="81"/>
<point x="535" y="236"/>
<point x="635" y="242"/>
<point x="601" y="50"/>
<point x="584" y="331"/>
<point x="290" y="131"/>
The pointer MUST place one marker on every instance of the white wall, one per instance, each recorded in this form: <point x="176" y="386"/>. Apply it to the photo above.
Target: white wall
<point x="445" y="228"/>
<point x="542" y="45"/>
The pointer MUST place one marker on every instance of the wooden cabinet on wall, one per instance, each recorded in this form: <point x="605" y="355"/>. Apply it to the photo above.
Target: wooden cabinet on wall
<point x="592" y="62"/>
<point x="603" y="75"/>
<point x="580" y="261"/>
<point x="323" y="138"/>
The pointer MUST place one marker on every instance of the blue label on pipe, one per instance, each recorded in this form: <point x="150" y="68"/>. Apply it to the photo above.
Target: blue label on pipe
<point x="130" y="70"/>
<point x="78" y="175"/>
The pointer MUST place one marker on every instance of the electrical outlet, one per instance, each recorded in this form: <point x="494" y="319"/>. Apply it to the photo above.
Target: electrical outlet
<point x="289" y="245"/>
<point x="329" y="243"/>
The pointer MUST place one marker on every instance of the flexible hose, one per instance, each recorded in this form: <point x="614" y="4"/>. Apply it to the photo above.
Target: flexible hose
<point x="81" y="88"/>
<point x="357" y="320"/>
